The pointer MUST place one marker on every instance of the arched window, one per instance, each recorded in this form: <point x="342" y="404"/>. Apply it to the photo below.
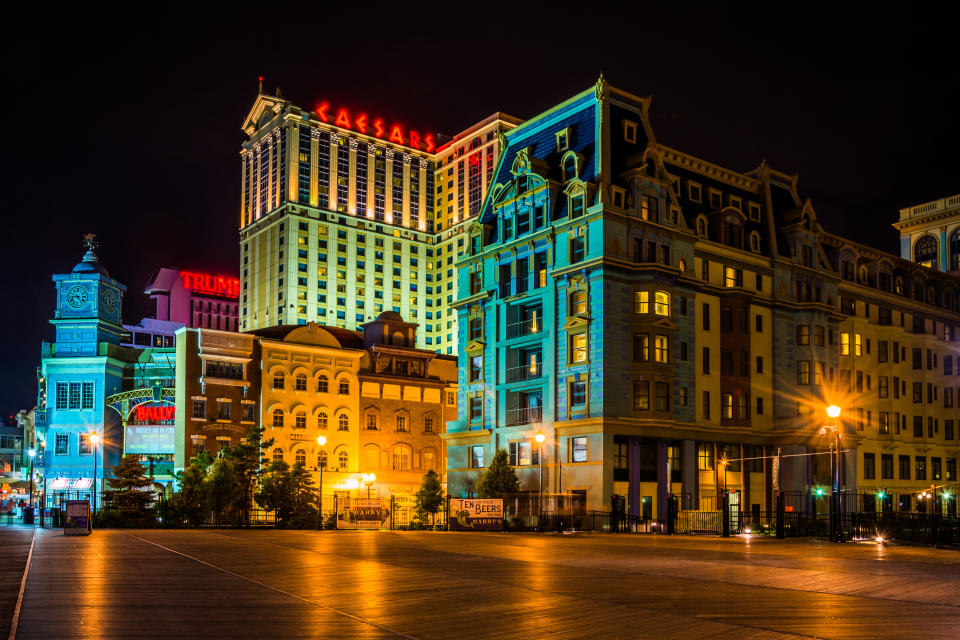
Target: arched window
<point x="301" y="420"/>
<point x="955" y="250"/>
<point x="931" y="296"/>
<point x="343" y="422"/>
<point x="702" y="226"/>
<point x="301" y="382"/>
<point x="343" y="460"/>
<point x="322" y="459"/>
<point x="401" y="457"/>
<point x="569" y="167"/>
<point x="578" y="302"/>
<point x="661" y="303"/>
<point x="278" y="418"/>
<point x="925" y="251"/>
<point x="278" y="454"/>
<point x="344" y="387"/>
<point x="323" y="385"/>
<point x="755" y="242"/>
<point x="732" y="235"/>
<point x="278" y="380"/>
<point x="863" y="276"/>
<point x="898" y="286"/>
<point x="321" y="420"/>
<point x="301" y="457"/>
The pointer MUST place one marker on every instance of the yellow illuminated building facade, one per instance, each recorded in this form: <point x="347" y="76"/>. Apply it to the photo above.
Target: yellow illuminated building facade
<point x="345" y="216"/>
<point x="379" y="403"/>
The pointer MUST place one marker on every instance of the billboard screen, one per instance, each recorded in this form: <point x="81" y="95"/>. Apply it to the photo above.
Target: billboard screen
<point x="153" y="439"/>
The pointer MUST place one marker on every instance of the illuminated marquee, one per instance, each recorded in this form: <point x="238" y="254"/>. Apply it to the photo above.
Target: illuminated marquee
<point x="215" y="285"/>
<point x="376" y="127"/>
<point x="154" y="414"/>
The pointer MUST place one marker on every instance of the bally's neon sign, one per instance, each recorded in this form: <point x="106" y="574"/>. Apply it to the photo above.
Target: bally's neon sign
<point x="154" y="414"/>
<point x="377" y="128"/>
<point x="215" y="285"/>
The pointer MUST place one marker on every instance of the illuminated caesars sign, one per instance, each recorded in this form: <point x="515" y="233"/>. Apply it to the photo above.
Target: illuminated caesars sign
<point x="214" y="285"/>
<point x="154" y="414"/>
<point x="376" y="127"/>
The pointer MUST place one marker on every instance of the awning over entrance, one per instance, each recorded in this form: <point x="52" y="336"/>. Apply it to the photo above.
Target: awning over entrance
<point x="62" y="484"/>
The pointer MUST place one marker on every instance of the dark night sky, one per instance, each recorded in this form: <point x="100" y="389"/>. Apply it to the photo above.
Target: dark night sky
<point x="133" y="133"/>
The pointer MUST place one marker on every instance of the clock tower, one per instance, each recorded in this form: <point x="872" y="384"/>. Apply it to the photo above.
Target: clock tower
<point x="89" y="304"/>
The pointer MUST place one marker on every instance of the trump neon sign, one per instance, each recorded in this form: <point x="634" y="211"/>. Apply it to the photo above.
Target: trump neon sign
<point x="376" y="127"/>
<point x="215" y="285"/>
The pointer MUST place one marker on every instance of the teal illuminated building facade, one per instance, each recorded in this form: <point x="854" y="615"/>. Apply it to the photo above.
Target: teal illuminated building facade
<point x="669" y="324"/>
<point x="82" y="366"/>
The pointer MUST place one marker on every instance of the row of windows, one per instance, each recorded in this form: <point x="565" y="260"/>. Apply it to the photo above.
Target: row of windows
<point x="74" y="395"/>
<point x="321" y="385"/>
<point x="918" y="465"/>
<point x="61" y="446"/>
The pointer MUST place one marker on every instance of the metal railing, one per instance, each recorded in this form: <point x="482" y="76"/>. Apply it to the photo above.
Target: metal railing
<point x="525" y="327"/>
<point x="524" y="372"/>
<point x="524" y="416"/>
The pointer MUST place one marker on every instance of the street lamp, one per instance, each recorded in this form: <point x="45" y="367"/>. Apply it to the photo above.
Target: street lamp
<point x="540" y="438"/>
<point x="321" y="440"/>
<point x="725" y="499"/>
<point x="33" y="454"/>
<point x="94" y="439"/>
<point x="369" y="479"/>
<point x="836" y="527"/>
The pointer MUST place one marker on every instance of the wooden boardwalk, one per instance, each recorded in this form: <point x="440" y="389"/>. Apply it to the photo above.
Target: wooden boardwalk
<point x="288" y="584"/>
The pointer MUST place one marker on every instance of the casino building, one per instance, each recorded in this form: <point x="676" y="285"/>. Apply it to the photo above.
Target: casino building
<point x="669" y="324"/>
<point x="345" y="215"/>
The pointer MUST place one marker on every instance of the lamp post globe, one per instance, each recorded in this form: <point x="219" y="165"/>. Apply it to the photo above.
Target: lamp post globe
<point x="833" y="411"/>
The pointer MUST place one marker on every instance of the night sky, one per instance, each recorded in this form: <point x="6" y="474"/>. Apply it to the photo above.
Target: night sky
<point x="133" y="133"/>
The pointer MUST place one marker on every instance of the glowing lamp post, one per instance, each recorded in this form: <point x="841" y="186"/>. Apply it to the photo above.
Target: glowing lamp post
<point x="94" y="439"/>
<point x="725" y="499"/>
<point x="368" y="480"/>
<point x="33" y="454"/>
<point x="836" y="527"/>
<point x="540" y="438"/>
<point x="321" y="461"/>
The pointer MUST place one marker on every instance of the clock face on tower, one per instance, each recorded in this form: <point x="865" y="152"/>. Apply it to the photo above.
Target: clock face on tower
<point x="76" y="297"/>
<point x="109" y="300"/>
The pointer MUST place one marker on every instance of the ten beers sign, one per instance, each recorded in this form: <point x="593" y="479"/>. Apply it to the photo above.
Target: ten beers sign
<point x="476" y="515"/>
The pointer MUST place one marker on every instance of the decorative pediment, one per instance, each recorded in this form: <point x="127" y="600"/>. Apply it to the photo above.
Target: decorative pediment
<point x="475" y="346"/>
<point x="263" y="105"/>
<point x="576" y="322"/>
<point x="665" y="323"/>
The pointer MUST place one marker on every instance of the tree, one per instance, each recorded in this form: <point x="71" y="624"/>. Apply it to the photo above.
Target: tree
<point x="189" y="502"/>
<point x="499" y="479"/>
<point x="430" y="496"/>
<point x="130" y="485"/>
<point x="304" y="511"/>
<point x="222" y="486"/>
<point x="249" y="459"/>
<point x="275" y="492"/>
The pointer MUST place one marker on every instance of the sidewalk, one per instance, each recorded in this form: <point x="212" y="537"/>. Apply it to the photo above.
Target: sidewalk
<point x="15" y="542"/>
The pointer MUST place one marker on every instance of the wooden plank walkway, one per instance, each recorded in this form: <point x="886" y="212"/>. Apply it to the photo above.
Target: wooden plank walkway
<point x="15" y="544"/>
<point x="271" y="584"/>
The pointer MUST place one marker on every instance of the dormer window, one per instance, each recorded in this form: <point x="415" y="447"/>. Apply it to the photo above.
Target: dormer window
<point x="563" y="140"/>
<point x="715" y="200"/>
<point x="694" y="192"/>
<point x="925" y="251"/>
<point x="732" y="232"/>
<point x="754" y="210"/>
<point x="576" y="206"/>
<point x="618" y="194"/>
<point x="736" y="203"/>
<point x="630" y="131"/>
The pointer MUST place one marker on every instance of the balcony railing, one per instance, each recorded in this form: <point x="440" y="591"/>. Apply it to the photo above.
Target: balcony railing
<point x="525" y="372"/>
<point x="524" y="415"/>
<point x="525" y="327"/>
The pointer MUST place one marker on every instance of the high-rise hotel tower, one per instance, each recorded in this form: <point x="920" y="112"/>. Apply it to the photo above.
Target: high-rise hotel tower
<point x="345" y="215"/>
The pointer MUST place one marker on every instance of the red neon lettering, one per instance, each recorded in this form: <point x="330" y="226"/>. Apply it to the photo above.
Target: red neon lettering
<point x="154" y="414"/>
<point x="378" y="129"/>
<point x="429" y="144"/>
<point x="343" y="119"/>
<point x="322" y="111"/>
<point x="216" y="285"/>
<point x="396" y="134"/>
<point x="360" y="122"/>
<point x="414" y="139"/>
